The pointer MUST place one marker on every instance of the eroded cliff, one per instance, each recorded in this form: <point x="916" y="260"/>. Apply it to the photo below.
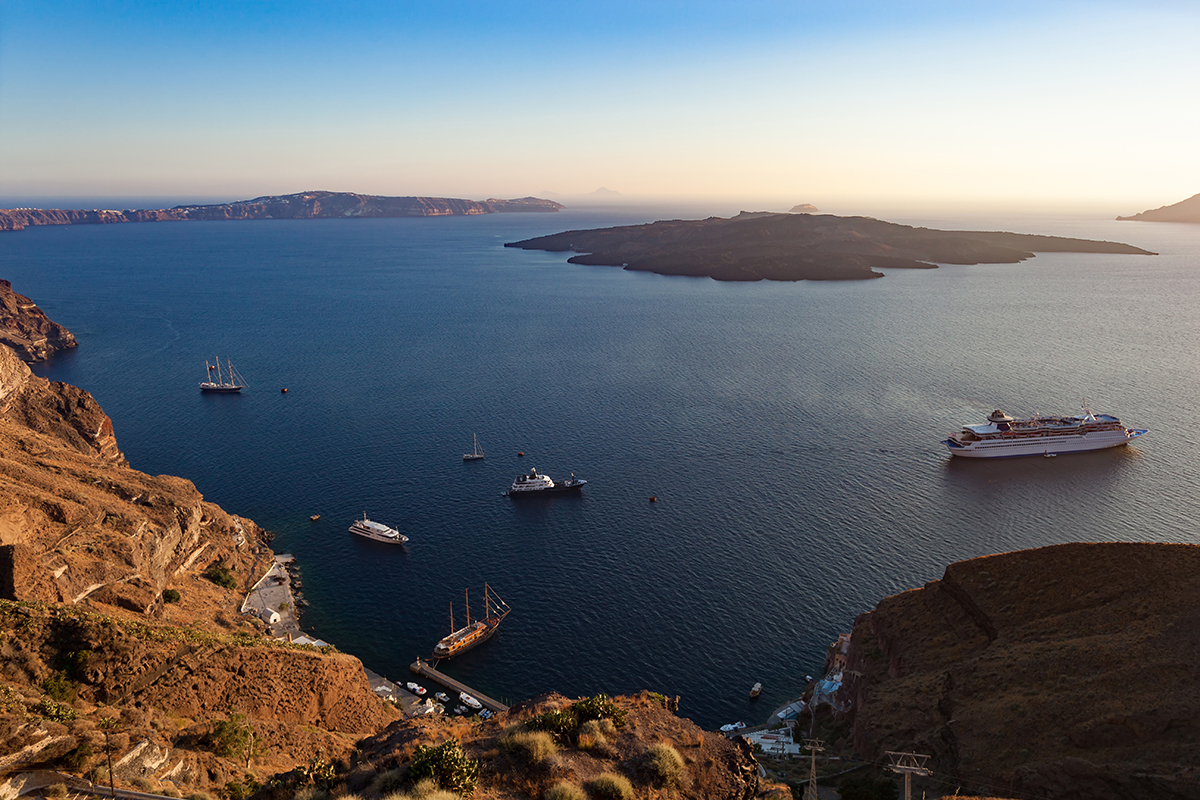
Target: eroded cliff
<point x="1062" y="672"/>
<point x="26" y="329"/>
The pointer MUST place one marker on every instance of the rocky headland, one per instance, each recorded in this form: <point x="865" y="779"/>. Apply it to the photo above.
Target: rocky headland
<point x="303" y="205"/>
<point x="804" y="208"/>
<point x="26" y="329"/>
<point x="1183" y="211"/>
<point x="1061" y="672"/>
<point x="794" y="247"/>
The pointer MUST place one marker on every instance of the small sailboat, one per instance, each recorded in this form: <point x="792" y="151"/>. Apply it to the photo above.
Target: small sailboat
<point x="230" y="382"/>
<point x="475" y="454"/>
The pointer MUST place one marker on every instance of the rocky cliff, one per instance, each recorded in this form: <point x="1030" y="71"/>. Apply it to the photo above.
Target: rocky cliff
<point x="303" y="205"/>
<point x="108" y="609"/>
<point x="1062" y="672"/>
<point x="1183" y="211"/>
<point x="792" y="247"/>
<point x="26" y="329"/>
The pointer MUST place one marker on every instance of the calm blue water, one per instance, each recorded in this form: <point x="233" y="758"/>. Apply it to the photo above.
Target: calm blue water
<point x="789" y="431"/>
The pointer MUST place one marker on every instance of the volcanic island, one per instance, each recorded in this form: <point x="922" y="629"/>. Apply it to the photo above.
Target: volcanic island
<point x="755" y="246"/>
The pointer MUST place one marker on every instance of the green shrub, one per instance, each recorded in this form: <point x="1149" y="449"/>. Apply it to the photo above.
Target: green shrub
<point x="171" y="596"/>
<point x="448" y="765"/>
<point x="598" y="706"/>
<point x="55" y="790"/>
<point x="662" y="764"/>
<point x="221" y="576"/>
<point x="560" y="722"/>
<point x="57" y="686"/>
<point x="564" y="791"/>
<point x="54" y="711"/>
<point x="75" y="760"/>
<point x="610" y="786"/>
<point x="594" y="733"/>
<point x="144" y="784"/>
<point x="534" y="748"/>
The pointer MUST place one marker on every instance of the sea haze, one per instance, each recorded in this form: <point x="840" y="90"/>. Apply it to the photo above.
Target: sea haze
<point x="790" y="431"/>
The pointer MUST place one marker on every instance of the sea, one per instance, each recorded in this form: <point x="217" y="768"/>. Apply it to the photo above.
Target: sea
<point x="789" y="433"/>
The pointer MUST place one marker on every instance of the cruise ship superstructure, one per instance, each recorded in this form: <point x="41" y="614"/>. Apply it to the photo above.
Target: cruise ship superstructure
<point x="1004" y="436"/>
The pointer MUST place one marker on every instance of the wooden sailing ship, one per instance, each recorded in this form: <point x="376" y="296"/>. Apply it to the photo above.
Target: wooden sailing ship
<point x="477" y="631"/>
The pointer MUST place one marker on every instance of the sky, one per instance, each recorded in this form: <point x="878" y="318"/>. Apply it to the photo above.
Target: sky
<point x="1087" y="105"/>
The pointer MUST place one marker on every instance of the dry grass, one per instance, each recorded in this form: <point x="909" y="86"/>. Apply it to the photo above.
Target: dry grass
<point x="564" y="791"/>
<point x="610" y="786"/>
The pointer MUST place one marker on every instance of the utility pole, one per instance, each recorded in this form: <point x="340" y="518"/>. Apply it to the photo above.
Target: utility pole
<point x="813" y="746"/>
<point x="908" y="764"/>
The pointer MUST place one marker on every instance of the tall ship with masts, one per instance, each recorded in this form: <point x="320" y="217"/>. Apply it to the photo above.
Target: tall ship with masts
<point x="477" y="631"/>
<point x="231" y="381"/>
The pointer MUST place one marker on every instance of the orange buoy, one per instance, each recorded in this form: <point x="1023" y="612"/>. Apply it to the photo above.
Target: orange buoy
<point x="653" y="499"/>
<point x="520" y="452"/>
<point x="283" y="390"/>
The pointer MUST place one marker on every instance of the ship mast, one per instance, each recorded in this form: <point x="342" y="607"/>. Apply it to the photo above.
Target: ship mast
<point x="218" y="360"/>
<point x="452" y="616"/>
<point x="467" y="592"/>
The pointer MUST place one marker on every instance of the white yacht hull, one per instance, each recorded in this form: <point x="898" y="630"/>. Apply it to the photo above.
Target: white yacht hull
<point x="1052" y="444"/>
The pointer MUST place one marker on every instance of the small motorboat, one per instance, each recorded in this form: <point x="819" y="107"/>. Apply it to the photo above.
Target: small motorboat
<point x="755" y="690"/>
<point x="470" y="701"/>
<point x="733" y="726"/>
<point x="485" y="714"/>
<point x="1048" y="454"/>
<point x="315" y="517"/>
<point x="460" y="710"/>
<point x="415" y="688"/>
<point x="442" y="697"/>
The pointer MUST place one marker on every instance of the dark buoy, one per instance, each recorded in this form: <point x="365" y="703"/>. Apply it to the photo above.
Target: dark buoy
<point x="283" y="390"/>
<point x="653" y="499"/>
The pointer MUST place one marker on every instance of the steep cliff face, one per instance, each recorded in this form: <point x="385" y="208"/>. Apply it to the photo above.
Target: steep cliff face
<point x="302" y="205"/>
<point x="87" y="546"/>
<point x="26" y="329"/>
<point x="1062" y="672"/>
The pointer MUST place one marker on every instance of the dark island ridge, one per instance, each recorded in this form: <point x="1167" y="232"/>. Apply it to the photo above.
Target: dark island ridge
<point x="793" y="247"/>
<point x="303" y="205"/>
<point x="1183" y="211"/>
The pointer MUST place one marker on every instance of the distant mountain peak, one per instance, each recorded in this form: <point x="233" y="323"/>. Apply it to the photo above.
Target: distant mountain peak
<point x="603" y="192"/>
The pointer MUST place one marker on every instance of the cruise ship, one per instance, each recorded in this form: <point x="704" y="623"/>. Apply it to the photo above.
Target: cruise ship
<point x="377" y="531"/>
<point x="1004" y="436"/>
<point x="533" y="483"/>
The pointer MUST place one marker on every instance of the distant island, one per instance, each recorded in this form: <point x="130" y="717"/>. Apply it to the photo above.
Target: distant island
<point x="303" y="205"/>
<point x="792" y="247"/>
<point x="1183" y="211"/>
<point x="804" y="208"/>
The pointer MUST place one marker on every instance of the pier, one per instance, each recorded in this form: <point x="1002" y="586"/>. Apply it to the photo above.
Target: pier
<point x="425" y="670"/>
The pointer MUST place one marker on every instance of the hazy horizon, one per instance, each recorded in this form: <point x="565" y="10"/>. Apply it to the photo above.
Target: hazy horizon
<point x="1071" y="106"/>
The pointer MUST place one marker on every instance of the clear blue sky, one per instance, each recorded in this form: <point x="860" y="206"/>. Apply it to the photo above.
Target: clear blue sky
<point x="1046" y="103"/>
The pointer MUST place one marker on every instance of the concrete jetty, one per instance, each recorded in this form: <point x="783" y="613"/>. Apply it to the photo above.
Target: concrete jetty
<point x="423" y="669"/>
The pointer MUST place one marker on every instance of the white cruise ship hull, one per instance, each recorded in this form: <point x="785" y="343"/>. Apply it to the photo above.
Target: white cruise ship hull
<point x="1051" y="444"/>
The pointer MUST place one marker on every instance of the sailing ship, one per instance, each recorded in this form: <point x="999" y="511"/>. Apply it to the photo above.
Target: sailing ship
<point x="495" y="610"/>
<point x="476" y="454"/>
<point x="231" y="381"/>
